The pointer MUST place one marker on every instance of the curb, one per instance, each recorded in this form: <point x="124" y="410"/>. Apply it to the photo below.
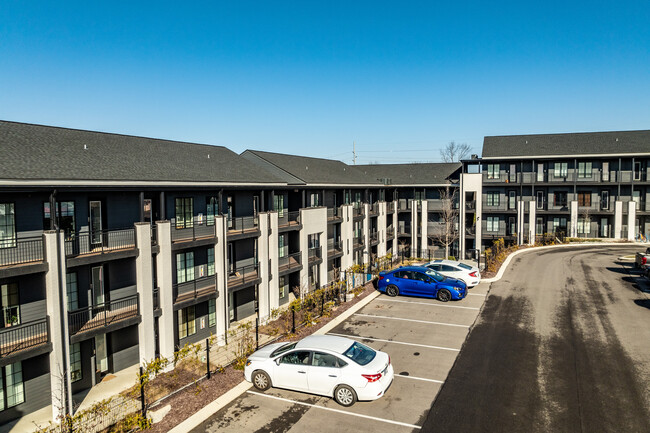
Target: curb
<point x="203" y="414"/>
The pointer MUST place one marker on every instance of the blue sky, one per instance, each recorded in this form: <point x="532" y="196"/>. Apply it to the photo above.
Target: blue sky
<point x="400" y="79"/>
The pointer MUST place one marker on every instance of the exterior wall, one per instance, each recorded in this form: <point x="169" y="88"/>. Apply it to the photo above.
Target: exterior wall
<point x="471" y="183"/>
<point x="314" y="221"/>
<point x="347" y="236"/>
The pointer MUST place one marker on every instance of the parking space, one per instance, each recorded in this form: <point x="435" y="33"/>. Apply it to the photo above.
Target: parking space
<point x="423" y="338"/>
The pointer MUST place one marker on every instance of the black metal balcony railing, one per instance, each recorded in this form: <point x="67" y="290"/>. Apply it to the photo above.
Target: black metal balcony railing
<point x="404" y="204"/>
<point x="21" y="251"/>
<point x="290" y="261"/>
<point x="242" y="224"/>
<point x="243" y="275"/>
<point x="357" y="241"/>
<point x="357" y="211"/>
<point x="334" y="213"/>
<point x="156" y="298"/>
<point x="374" y="209"/>
<point x="374" y="237"/>
<point x="24" y="336"/>
<point x="102" y="315"/>
<point x="154" y="235"/>
<point x="199" y="228"/>
<point x="100" y="242"/>
<point x="314" y="253"/>
<point x="334" y="246"/>
<point x="470" y="204"/>
<point x="195" y="288"/>
<point x="390" y="232"/>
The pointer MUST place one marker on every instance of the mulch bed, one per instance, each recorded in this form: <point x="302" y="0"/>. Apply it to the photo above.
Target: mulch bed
<point x="192" y="399"/>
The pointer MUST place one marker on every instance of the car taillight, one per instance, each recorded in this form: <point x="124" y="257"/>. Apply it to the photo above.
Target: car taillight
<point x="473" y="274"/>
<point x="372" y="377"/>
<point x="381" y="277"/>
<point x="644" y="260"/>
<point x="388" y="359"/>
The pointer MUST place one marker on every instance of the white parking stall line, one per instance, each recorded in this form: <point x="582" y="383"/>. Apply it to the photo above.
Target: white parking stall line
<point x="419" y="378"/>
<point x="430" y="305"/>
<point x="477" y="294"/>
<point x="395" y="342"/>
<point x="412" y="320"/>
<point x="403" y="424"/>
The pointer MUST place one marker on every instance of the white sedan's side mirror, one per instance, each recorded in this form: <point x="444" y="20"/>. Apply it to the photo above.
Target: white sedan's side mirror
<point x="277" y="361"/>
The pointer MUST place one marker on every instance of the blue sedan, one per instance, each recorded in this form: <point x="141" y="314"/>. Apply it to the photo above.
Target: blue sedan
<point x="420" y="281"/>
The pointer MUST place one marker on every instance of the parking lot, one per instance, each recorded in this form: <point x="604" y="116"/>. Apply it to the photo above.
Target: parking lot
<point x="423" y="338"/>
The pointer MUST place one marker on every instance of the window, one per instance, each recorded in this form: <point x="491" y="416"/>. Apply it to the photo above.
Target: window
<point x="560" y="198"/>
<point x="540" y="199"/>
<point x="559" y="225"/>
<point x="492" y="224"/>
<point x="539" y="227"/>
<point x="211" y="268"/>
<point x="584" y="226"/>
<point x="284" y="286"/>
<point x="64" y="217"/>
<point x="512" y="199"/>
<point x="278" y="205"/>
<point x="584" y="170"/>
<point x="12" y="391"/>
<point x="299" y="358"/>
<point x="186" y="324"/>
<point x="492" y="198"/>
<point x="313" y="240"/>
<point x="212" y="209"/>
<point x="212" y="312"/>
<point x="184" y="267"/>
<point x="540" y="172"/>
<point x="637" y="170"/>
<point x="347" y="197"/>
<point x="357" y="198"/>
<point x="184" y="212"/>
<point x="75" y="362"/>
<point x="605" y="171"/>
<point x="561" y="169"/>
<point x="584" y="198"/>
<point x="283" y="249"/>
<point x="7" y="225"/>
<point x="326" y="360"/>
<point x="512" y="173"/>
<point x="604" y="227"/>
<point x="493" y="171"/>
<point x="10" y="304"/>
<point x="71" y="290"/>
<point x="604" y="200"/>
<point x="314" y="199"/>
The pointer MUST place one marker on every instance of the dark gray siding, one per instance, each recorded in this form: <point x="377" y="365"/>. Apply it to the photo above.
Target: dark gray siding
<point x="124" y="347"/>
<point x="36" y="380"/>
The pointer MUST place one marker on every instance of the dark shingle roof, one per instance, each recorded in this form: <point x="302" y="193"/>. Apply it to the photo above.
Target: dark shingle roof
<point x="36" y="152"/>
<point x="303" y="169"/>
<point x="584" y="143"/>
<point x="411" y="174"/>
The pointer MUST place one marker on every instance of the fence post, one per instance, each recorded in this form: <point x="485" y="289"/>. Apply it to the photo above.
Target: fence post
<point x="207" y="355"/>
<point x="345" y="295"/>
<point x="142" y="398"/>
<point x="293" y="320"/>
<point x="322" y="303"/>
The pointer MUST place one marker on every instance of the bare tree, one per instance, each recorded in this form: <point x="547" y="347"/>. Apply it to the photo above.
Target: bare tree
<point x="454" y="152"/>
<point x="586" y="222"/>
<point x="446" y="233"/>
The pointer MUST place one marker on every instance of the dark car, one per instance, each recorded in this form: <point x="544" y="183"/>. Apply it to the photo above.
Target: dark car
<point x="420" y="281"/>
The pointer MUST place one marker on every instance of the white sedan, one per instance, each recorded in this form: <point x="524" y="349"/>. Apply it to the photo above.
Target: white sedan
<point x="322" y="364"/>
<point x="470" y="275"/>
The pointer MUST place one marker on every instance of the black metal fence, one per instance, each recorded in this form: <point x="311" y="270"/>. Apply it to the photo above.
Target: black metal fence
<point x="24" y="336"/>
<point x="101" y="242"/>
<point x="102" y="315"/>
<point x="21" y="251"/>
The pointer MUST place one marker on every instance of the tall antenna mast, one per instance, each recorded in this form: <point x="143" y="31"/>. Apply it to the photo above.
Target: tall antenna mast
<point x="354" y="154"/>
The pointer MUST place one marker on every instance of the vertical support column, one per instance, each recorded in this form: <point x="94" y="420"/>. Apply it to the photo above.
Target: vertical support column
<point x="573" y="225"/>
<point x="220" y="264"/>
<point x="532" y="222"/>
<point x="274" y="283"/>
<point x="381" y="229"/>
<point x="347" y="237"/>
<point x="56" y="304"/>
<point x="144" y="281"/>
<point x="366" y="232"/>
<point x="520" y="222"/>
<point x="618" y="219"/>
<point x="164" y="263"/>
<point x="263" y="260"/>
<point x="424" y="218"/>
<point x="414" y="227"/>
<point x="631" y="220"/>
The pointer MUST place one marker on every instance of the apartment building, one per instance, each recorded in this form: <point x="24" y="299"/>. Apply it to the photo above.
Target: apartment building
<point x="593" y="185"/>
<point x="115" y="249"/>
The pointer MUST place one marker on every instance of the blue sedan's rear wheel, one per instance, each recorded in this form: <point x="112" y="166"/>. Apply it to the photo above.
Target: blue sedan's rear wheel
<point x="261" y="380"/>
<point x="444" y="295"/>
<point x="392" y="290"/>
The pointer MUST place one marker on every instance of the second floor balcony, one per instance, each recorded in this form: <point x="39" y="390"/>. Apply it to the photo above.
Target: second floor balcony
<point x="289" y="220"/>
<point x="315" y="254"/>
<point x="243" y="276"/>
<point x="404" y="204"/>
<point x="290" y="263"/>
<point x="21" y="251"/>
<point x="334" y="214"/>
<point x="200" y="289"/>
<point x="374" y="238"/>
<point x="24" y="339"/>
<point x="390" y="232"/>
<point x="104" y="317"/>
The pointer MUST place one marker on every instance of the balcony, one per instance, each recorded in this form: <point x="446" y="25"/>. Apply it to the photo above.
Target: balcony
<point x="289" y="220"/>
<point x="470" y="205"/>
<point x="374" y="209"/>
<point x="156" y="298"/>
<point x="374" y="238"/>
<point x="199" y="228"/>
<point x="357" y="242"/>
<point x="357" y="211"/>
<point x="100" y="242"/>
<point x="314" y="255"/>
<point x="21" y="251"/>
<point x="106" y="317"/>
<point x="334" y="214"/>
<point x="243" y="276"/>
<point x="334" y="248"/>
<point x="204" y="287"/>
<point x="390" y="232"/>
<point x="243" y="225"/>
<point x="404" y="204"/>
<point x="19" y="339"/>
<point x="290" y="263"/>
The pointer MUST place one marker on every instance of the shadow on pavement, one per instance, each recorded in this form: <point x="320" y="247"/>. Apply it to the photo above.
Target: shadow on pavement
<point x="643" y="303"/>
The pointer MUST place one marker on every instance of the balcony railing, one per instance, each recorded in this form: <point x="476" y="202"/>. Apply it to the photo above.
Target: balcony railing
<point x="103" y="315"/>
<point x="374" y="209"/>
<point x="242" y="224"/>
<point x="21" y="251"/>
<point x="374" y="237"/>
<point x="195" y="288"/>
<point x="357" y="211"/>
<point x="290" y="261"/>
<point x="404" y="204"/>
<point x="470" y="205"/>
<point x="199" y="228"/>
<point x="315" y="253"/>
<point x="154" y="235"/>
<point x="100" y="242"/>
<point x="243" y="275"/>
<point x="24" y="336"/>
<point x="357" y="241"/>
<point x="334" y="246"/>
<point x="289" y="218"/>
<point x="390" y="232"/>
<point x="156" y="298"/>
<point x="334" y="213"/>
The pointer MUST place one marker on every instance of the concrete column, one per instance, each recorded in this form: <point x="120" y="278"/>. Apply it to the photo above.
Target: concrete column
<point x="144" y="281"/>
<point x="263" y="260"/>
<point x="347" y="237"/>
<point x="56" y="304"/>
<point x="164" y="262"/>
<point x="631" y="220"/>
<point x="381" y="229"/>
<point x="314" y="220"/>
<point x="424" y="218"/>
<point x="366" y="233"/>
<point x="274" y="283"/>
<point x="573" y="225"/>
<point x="520" y="222"/>
<point x="618" y="219"/>
<point x="414" y="227"/>
<point x="532" y="222"/>
<point x="220" y="266"/>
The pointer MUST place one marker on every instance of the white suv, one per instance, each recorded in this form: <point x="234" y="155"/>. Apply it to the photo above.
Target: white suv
<point x="470" y="275"/>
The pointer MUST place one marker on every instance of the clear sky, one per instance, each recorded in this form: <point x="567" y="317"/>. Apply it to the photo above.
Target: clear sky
<point x="400" y="79"/>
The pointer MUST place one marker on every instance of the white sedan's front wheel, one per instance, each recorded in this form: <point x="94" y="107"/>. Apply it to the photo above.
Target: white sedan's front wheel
<point x="261" y="380"/>
<point x="345" y="396"/>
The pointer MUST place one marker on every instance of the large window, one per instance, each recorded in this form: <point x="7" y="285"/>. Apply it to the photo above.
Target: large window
<point x="278" y="205"/>
<point x="184" y="212"/>
<point x="540" y="199"/>
<point x="559" y="225"/>
<point x="584" y="198"/>
<point x="604" y="200"/>
<point x="283" y="249"/>
<point x="492" y="198"/>
<point x="284" y="286"/>
<point x="584" y="170"/>
<point x="561" y="169"/>
<point x="184" y="267"/>
<point x="71" y="290"/>
<point x="314" y="199"/>
<point x="7" y="225"/>
<point x="12" y="391"/>
<point x="186" y="322"/>
<point x="539" y="226"/>
<point x="492" y="224"/>
<point x="584" y="226"/>
<point x="75" y="362"/>
<point x="512" y="199"/>
<point x="493" y="171"/>
<point x="10" y="304"/>
<point x="64" y="217"/>
<point x="211" y="267"/>
<point x="212" y="209"/>
<point x="212" y="312"/>
<point x="560" y="198"/>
